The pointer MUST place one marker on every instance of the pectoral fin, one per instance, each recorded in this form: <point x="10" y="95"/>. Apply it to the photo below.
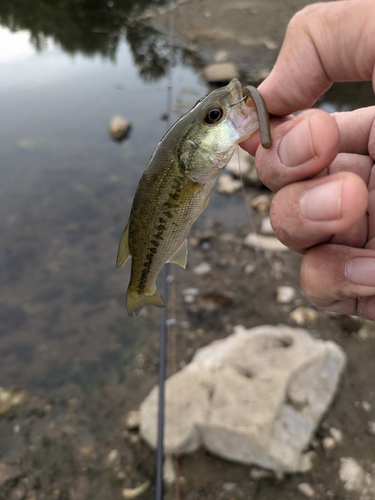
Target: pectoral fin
<point x="205" y="203"/>
<point x="123" y="253"/>
<point x="180" y="257"/>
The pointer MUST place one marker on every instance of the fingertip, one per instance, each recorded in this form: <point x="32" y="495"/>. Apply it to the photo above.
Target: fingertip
<point x="251" y="144"/>
<point x="354" y="196"/>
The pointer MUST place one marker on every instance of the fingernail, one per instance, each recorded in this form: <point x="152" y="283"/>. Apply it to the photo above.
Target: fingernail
<point x="322" y="202"/>
<point x="361" y="271"/>
<point x="296" y="147"/>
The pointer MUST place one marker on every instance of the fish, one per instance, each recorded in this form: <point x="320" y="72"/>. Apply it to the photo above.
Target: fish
<point x="178" y="181"/>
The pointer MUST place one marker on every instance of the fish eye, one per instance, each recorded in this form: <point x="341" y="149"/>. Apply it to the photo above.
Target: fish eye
<point x="213" y="115"/>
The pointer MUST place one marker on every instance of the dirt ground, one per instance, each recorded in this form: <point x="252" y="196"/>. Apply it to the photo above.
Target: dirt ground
<point x="78" y="447"/>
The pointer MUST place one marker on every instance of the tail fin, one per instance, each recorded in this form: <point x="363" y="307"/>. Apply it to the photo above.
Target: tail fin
<point x="135" y="302"/>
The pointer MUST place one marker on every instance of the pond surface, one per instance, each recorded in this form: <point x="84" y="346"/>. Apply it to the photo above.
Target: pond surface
<point x="66" y="190"/>
<point x="65" y="194"/>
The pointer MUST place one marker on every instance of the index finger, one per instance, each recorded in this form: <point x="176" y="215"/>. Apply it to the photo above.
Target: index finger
<point x="324" y="43"/>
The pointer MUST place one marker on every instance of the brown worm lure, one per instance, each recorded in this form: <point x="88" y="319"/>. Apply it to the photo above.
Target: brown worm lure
<point x="252" y="93"/>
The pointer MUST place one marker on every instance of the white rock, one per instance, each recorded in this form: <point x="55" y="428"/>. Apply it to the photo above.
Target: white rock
<point x="255" y="397"/>
<point x="202" y="269"/>
<point x="285" y="294"/>
<point x="119" y="127"/>
<point x="356" y="479"/>
<point x="227" y="185"/>
<point x="306" y="489"/>
<point x="261" y="242"/>
<point x="220" y="72"/>
<point x="303" y="316"/>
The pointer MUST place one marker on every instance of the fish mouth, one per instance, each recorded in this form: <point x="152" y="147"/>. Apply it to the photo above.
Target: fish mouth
<point x="236" y="92"/>
<point x="242" y="112"/>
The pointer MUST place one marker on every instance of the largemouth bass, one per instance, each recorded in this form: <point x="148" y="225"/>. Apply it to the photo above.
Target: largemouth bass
<point x="177" y="183"/>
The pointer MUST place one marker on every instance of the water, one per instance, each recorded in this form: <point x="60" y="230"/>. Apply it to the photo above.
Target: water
<point x="66" y="190"/>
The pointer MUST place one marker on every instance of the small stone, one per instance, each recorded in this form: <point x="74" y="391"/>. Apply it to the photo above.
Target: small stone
<point x="202" y="269"/>
<point x="306" y="489"/>
<point x="227" y="185"/>
<point x="229" y="487"/>
<point x="261" y="242"/>
<point x="366" y="406"/>
<point x="285" y="294"/>
<point x="112" y="456"/>
<point x="119" y="128"/>
<point x="132" y="420"/>
<point x="221" y="56"/>
<point x="261" y="203"/>
<point x="240" y="164"/>
<point x="266" y="227"/>
<point x="250" y="268"/>
<point x="303" y="316"/>
<point x="169" y="474"/>
<point x="190" y="291"/>
<point x="256" y="474"/>
<point x="328" y="443"/>
<point x="371" y="428"/>
<point x="12" y="398"/>
<point x="8" y="472"/>
<point x="129" y="493"/>
<point x="336" y="434"/>
<point x="17" y="493"/>
<point x="306" y="461"/>
<point x="367" y="331"/>
<point x="220" y="72"/>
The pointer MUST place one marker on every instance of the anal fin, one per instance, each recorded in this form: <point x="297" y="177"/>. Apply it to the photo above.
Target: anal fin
<point x="123" y="252"/>
<point x="180" y="257"/>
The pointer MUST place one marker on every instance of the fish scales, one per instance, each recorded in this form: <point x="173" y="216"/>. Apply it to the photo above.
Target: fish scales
<point x="176" y="185"/>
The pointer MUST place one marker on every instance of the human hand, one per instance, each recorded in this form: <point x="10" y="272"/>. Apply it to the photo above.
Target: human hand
<point x="321" y="165"/>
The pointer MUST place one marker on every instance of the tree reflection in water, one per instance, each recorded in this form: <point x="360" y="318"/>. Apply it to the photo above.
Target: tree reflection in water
<point x="93" y="27"/>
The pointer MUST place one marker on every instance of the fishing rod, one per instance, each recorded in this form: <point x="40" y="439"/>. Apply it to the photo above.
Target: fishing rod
<point x="164" y="311"/>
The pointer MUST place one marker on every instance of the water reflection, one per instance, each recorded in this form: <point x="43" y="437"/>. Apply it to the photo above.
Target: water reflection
<point x="91" y="29"/>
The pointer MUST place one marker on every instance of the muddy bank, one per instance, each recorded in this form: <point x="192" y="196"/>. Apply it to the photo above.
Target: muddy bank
<point x="247" y="33"/>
